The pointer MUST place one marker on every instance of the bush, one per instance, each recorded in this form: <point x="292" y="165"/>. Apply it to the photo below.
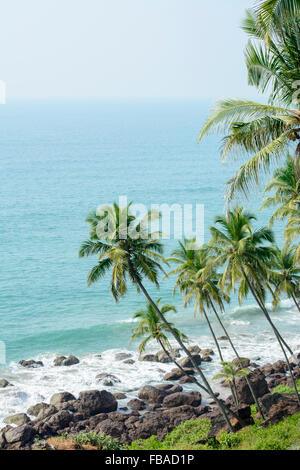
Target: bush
<point x="286" y="389"/>
<point x="101" y="441"/>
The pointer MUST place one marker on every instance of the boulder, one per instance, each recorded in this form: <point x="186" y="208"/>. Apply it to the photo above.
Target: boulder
<point x="206" y="358"/>
<point x="182" y="398"/>
<point x="245" y="362"/>
<point x="4" y="383"/>
<point x="59" y="360"/>
<point x="186" y="379"/>
<point x="120" y="396"/>
<point x="294" y="360"/>
<point x="122" y="356"/>
<point x="62" y="397"/>
<point x="223" y="338"/>
<point x="92" y="402"/>
<point x="18" y="419"/>
<point x="136" y="404"/>
<point x="129" y="361"/>
<point x="60" y="420"/>
<point x="152" y="394"/>
<point x="279" y="367"/>
<point x="35" y="409"/>
<point x="206" y="352"/>
<point x="21" y="434"/>
<point x="46" y="412"/>
<point x="194" y="349"/>
<point x="259" y="385"/>
<point x="176" y="374"/>
<point x="107" y="379"/>
<point x="31" y="364"/>
<point x="148" y="358"/>
<point x="277" y="406"/>
<point x="267" y="369"/>
<point x="66" y="361"/>
<point x="186" y="361"/>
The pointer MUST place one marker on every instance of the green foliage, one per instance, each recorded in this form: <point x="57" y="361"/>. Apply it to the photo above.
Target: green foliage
<point x="102" y="441"/>
<point x="286" y="389"/>
<point x="282" y="436"/>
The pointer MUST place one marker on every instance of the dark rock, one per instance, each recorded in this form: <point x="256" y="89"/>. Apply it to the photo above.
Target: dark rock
<point x="279" y="367"/>
<point x="31" y="364"/>
<point x="71" y="361"/>
<point x="151" y="394"/>
<point x="294" y="360"/>
<point x="182" y="398"/>
<point x="186" y="361"/>
<point x="107" y="379"/>
<point x="206" y="358"/>
<point x="176" y="374"/>
<point x="60" y="420"/>
<point x="194" y="349"/>
<point x="277" y="406"/>
<point x="164" y="387"/>
<point x="206" y="352"/>
<point x="136" y="404"/>
<point x="94" y="401"/>
<point x="18" y="419"/>
<point x="148" y="358"/>
<point x="259" y="385"/>
<point x="59" y="360"/>
<point x="35" y="409"/>
<point x="223" y="338"/>
<point x="62" y="397"/>
<point x="245" y="362"/>
<point x="186" y="379"/>
<point x="267" y="369"/>
<point x="129" y="361"/>
<point x="4" y="383"/>
<point x="21" y="434"/>
<point x="120" y="396"/>
<point x="46" y="412"/>
<point x="122" y="356"/>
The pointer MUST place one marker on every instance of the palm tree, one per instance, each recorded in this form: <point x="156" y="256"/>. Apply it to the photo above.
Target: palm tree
<point x="246" y="258"/>
<point x="125" y="246"/>
<point x="286" y="189"/>
<point x="263" y="131"/>
<point x="292" y="230"/>
<point x="285" y="275"/>
<point x="231" y="372"/>
<point x="196" y="280"/>
<point x="271" y="13"/>
<point x="151" y="327"/>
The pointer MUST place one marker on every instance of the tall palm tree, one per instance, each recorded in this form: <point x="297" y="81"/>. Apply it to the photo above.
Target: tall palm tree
<point x="271" y="13"/>
<point x="196" y="280"/>
<point x="262" y="131"/>
<point x="292" y="230"/>
<point x="285" y="275"/>
<point x="151" y="327"/>
<point x="114" y="238"/>
<point x="286" y="189"/>
<point x="245" y="255"/>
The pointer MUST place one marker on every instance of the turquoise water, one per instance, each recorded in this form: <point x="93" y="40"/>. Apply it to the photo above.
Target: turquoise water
<point x="58" y="162"/>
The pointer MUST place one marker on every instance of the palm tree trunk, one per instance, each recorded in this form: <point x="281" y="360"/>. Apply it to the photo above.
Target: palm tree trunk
<point x="274" y="330"/>
<point x="296" y="303"/>
<point x="259" y="409"/>
<point x="235" y="393"/>
<point x="213" y="335"/>
<point x="205" y="381"/>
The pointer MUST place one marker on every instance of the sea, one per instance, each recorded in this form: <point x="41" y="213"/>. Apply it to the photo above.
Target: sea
<point x="59" y="160"/>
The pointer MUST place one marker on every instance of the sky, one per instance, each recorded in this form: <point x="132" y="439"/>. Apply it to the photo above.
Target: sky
<point x="123" y="49"/>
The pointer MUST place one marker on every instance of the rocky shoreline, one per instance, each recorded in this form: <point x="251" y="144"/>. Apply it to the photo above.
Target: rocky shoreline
<point x="156" y="410"/>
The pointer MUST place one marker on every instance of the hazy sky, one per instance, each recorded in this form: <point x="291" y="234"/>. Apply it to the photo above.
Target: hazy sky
<point x="123" y="48"/>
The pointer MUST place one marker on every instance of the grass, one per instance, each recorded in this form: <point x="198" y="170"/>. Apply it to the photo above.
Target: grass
<point x="81" y="441"/>
<point x="282" y="436"/>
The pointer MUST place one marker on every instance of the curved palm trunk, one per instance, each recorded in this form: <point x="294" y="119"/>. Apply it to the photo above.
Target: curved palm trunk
<point x="264" y="310"/>
<point x="296" y="303"/>
<point x="181" y="344"/>
<point x="213" y="335"/>
<point x="259" y="409"/>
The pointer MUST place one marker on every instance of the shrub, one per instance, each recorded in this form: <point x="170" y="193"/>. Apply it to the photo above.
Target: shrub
<point x="102" y="441"/>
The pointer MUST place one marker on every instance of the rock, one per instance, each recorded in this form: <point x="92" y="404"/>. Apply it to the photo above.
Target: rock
<point x="35" y="409"/>
<point x="66" y="361"/>
<point x="206" y="358"/>
<point x="151" y="394"/>
<point x="194" y="349"/>
<point x="46" y="412"/>
<point x="18" y="419"/>
<point x="4" y="383"/>
<point x="148" y="358"/>
<point x="164" y="358"/>
<point x="136" y="404"/>
<point x="31" y="364"/>
<point x="129" y="361"/>
<point x="295" y="359"/>
<point x="174" y="389"/>
<point x="259" y="385"/>
<point x="183" y="398"/>
<point x="206" y="352"/>
<point x="93" y="402"/>
<point x="60" y="420"/>
<point x="280" y="367"/>
<point x="107" y="379"/>
<point x="223" y="338"/>
<point x="186" y="379"/>
<point x="186" y="361"/>
<point x="164" y="387"/>
<point x="59" y="360"/>
<point x="122" y="356"/>
<point x="245" y="362"/>
<point x="267" y="369"/>
<point x="62" y="397"/>
<point x="277" y="406"/>
<point x="2" y="440"/>
<point x="120" y="396"/>
<point x="21" y="434"/>
<point x="176" y="374"/>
